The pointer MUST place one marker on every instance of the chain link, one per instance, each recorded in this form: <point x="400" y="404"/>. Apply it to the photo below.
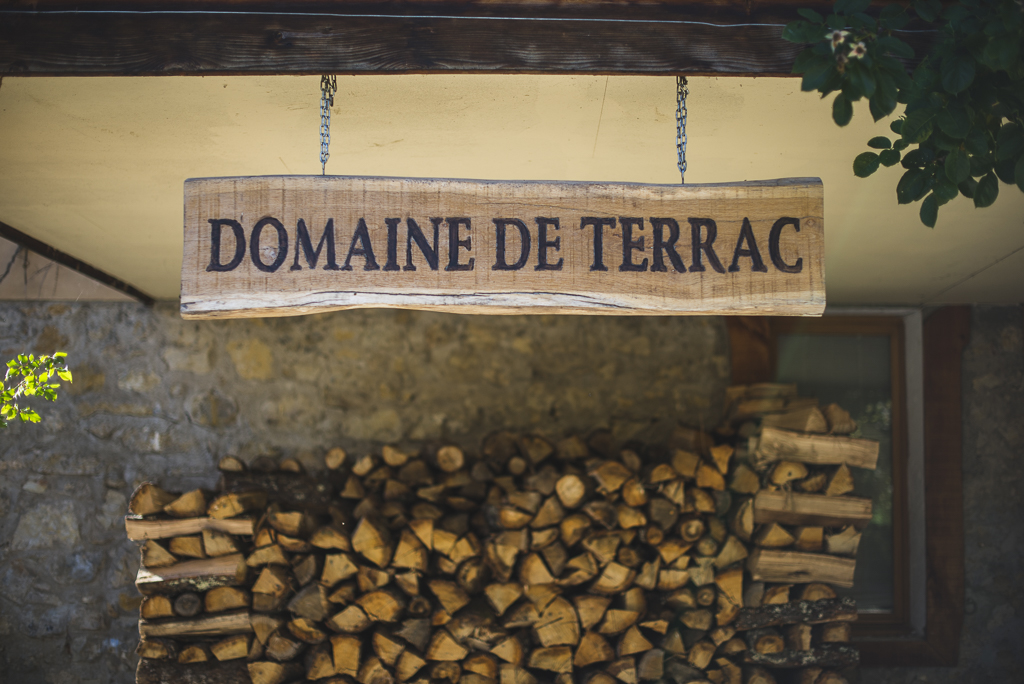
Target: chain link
<point x="328" y="87"/>
<point x="681" y="92"/>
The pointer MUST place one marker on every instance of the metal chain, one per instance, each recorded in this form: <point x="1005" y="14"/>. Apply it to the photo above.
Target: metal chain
<point x="328" y="87"/>
<point x="681" y="92"/>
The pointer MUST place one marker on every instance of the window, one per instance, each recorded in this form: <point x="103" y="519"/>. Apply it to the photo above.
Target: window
<point x="899" y="378"/>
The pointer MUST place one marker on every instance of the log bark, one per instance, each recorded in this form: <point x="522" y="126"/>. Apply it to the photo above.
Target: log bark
<point x="141" y="530"/>
<point x="197" y="575"/>
<point x="810" y="612"/>
<point x="211" y="625"/>
<point x="794" y="567"/>
<point x="825" y="655"/>
<point x="171" y="672"/>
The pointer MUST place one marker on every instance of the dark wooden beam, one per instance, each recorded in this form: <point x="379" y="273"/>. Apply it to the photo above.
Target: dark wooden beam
<point x="254" y="37"/>
<point x="68" y="261"/>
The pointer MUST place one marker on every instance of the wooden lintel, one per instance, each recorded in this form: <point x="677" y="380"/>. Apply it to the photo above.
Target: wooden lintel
<point x="254" y="38"/>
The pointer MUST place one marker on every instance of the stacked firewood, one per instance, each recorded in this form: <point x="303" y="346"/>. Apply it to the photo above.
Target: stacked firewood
<point x="574" y="562"/>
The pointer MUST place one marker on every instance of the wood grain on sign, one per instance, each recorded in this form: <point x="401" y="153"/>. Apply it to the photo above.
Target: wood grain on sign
<point x="284" y="245"/>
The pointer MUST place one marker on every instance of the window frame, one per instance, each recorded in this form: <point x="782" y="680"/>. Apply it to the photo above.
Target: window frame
<point x="924" y="628"/>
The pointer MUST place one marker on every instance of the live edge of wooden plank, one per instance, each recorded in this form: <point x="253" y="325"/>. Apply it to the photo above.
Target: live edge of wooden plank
<point x="238" y="289"/>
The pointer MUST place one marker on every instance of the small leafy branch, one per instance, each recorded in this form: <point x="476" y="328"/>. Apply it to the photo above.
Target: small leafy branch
<point x="963" y="127"/>
<point x="35" y="375"/>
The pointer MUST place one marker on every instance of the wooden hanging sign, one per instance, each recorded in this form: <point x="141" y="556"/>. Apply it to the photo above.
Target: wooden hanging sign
<point x="284" y="245"/>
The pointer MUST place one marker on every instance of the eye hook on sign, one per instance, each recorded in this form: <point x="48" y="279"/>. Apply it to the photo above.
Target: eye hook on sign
<point x="328" y="87"/>
<point x="681" y="92"/>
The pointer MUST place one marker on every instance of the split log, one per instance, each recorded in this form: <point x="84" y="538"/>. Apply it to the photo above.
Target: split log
<point x="844" y="543"/>
<point x="218" y="543"/>
<point x="798" y="637"/>
<point x="552" y="659"/>
<point x="836" y="633"/>
<point x="839" y="482"/>
<point x="318" y="662"/>
<point x="776" y="594"/>
<point x="825" y="655"/>
<point x="817" y="591"/>
<point x="234" y="504"/>
<point x="839" y="420"/>
<point x="154" y="607"/>
<point x="808" y="538"/>
<point x="758" y="675"/>
<point x="149" y="499"/>
<point x="188" y="547"/>
<point x="188" y="505"/>
<point x="776" y="444"/>
<point x="171" y="672"/>
<point x="214" y="625"/>
<point x="810" y="612"/>
<point x="156" y="556"/>
<point x="787" y="471"/>
<point x="267" y="672"/>
<point x="141" y="530"/>
<point x="230" y="464"/>
<point x="593" y="648"/>
<point x="794" y="567"/>
<point x="232" y="648"/>
<point x="372" y="541"/>
<point x="346" y="654"/>
<point x="765" y="640"/>
<point x="791" y="508"/>
<point x="803" y="419"/>
<point x="773" y="536"/>
<point x="159" y="649"/>
<point x="195" y="653"/>
<point x="197" y="575"/>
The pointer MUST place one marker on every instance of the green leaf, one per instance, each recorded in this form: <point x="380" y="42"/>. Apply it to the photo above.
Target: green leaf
<point x="929" y="211"/>
<point x="968" y="187"/>
<point x="911" y="186"/>
<point x="917" y="126"/>
<point x="1009" y="141"/>
<point x="896" y="125"/>
<point x="865" y="164"/>
<point x="987" y="191"/>
<point x="818" y="76"/>
<point x="1018" y="172"/>
<point x="880" y="105"/>
<point x="811" y="15"/>
<point x="1000" y="52"/>
<point x="863" y="79"/>
<point x="808" y="59"/>
<point x="889" y="157"/>
<point x="854" y="6"/>
<point x="957" y="73"/>
<point x="64" y="375"/>
<point x="842" y="110"/>
<point x="958" y="166"/>
<point x="895" y="46"/>
<point x="924" y="11"/>
<point x="944" y="190"/>
<point x="976" y="142"/>
<point x="899" y="145"/>
<point x="981" y="164"/>
<point x="1005" y="171"/>
<point x="29" y="415"/>
<point x="879" y="142"/>
<point x="954" y="120"/>
<point x="796" y="32"/>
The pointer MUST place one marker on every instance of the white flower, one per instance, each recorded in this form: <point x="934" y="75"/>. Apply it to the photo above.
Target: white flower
<point x="837" y="38"/>
<point x="858" y="51"/>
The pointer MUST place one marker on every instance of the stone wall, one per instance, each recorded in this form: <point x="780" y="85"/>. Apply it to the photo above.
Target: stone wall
<point x="155" y="397"/>
<point x="993" y="469"/>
